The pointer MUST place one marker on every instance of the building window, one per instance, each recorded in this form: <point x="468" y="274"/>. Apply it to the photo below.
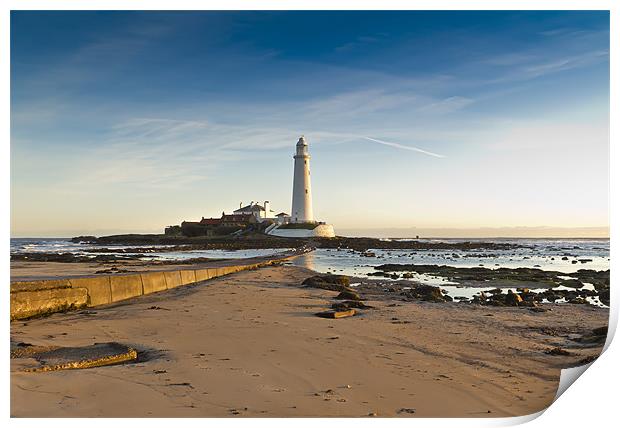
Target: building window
<point x="306" y="191"/>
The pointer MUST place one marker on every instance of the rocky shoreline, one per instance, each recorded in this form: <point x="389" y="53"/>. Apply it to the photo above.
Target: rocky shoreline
<point x="260" y="241"/>
<point x="104" y="258"/>
<point x="556" y="285"/>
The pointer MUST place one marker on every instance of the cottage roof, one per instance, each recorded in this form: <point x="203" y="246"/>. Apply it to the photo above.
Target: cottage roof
<point x="282" y="214"/>
<point x="210" y="221"/>
<point x="252" y="208"/>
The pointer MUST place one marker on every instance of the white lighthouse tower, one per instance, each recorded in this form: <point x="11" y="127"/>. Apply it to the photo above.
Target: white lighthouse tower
<point x="301" y="222"/>
<point x="301" y="211"/>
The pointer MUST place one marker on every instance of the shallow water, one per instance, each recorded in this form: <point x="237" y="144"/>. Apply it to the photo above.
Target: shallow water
<point x="540" y="254"/>
<point x="59" y="245"/>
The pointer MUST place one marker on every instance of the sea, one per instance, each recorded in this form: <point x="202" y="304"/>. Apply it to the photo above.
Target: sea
<point x="562" y="255"/>
<point x="64" y="245"/>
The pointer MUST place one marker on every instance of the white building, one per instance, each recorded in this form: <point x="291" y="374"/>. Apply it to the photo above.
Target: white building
<point x="301" y="211"/>
<point x="261" y="212"/>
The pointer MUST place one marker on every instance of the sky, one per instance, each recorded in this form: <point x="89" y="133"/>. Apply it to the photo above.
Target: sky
<point x="132" y="121"/>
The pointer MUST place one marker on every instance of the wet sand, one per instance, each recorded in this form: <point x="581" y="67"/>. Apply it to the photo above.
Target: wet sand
<point x="248" y="345"/>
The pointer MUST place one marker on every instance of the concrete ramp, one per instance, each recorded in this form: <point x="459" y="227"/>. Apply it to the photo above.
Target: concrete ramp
<point x="70" y="358"/>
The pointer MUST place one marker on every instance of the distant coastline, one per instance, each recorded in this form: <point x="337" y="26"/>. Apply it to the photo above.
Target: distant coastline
<point x="541" y="232"/>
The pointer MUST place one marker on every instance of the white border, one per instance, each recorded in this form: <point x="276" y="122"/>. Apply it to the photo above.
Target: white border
<point x="590" y="402"/>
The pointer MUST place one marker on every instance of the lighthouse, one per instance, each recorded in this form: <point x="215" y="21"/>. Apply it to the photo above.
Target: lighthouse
<point x="301" y="211"/>
<point x="301" y="222"/>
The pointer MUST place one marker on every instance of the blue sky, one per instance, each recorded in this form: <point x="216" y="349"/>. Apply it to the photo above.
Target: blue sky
<point x="134" y="120"/>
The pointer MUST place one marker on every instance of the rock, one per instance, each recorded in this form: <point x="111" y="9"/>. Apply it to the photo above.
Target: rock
<point x="573" y="283"/>
<point x="512" y="299"/>
<point x="407" y="275"/>
<point x="493" y="299"/>
<point x="425" y="292"/>
<point x="376" y="274"/>
<point x="587" y="360"/>
<point x="557" y="351"/>
<point x="348" y="304"/>
<point x="603" y="296"/>
<point x="348" y="294"/>
<point x="336" y="314"/>
<point x="528" y="296"/>
<point x="564" y="258"/>
<point x="600" y="331"/>
<point x="478" y="299"/>
<point x="328" y="282"/>
<point x="550" y="295"/>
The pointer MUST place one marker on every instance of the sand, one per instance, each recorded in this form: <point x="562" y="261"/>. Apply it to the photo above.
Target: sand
<point x="248" y="345"/>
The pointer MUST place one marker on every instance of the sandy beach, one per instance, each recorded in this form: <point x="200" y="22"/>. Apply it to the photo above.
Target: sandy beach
<point x="249" y="345"/>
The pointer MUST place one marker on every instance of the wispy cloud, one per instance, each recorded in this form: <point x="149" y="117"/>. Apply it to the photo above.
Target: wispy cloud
<point x="565" y="63"/>
<point x="364" y="101"/>
<point x="447" y="105"/>
<point x="358" y="42"/>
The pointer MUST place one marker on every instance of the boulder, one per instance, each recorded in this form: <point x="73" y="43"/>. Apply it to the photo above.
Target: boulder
<point x="327" y="282"/>
<point x="348" y="304"/>
<point x="512" y="299"/>
<point x="348" y="294"/>
<point x="425" y="292"/>
<point x="573" y="283"/>
<point x="557" y="351"/>
<point x="600" y="331"/>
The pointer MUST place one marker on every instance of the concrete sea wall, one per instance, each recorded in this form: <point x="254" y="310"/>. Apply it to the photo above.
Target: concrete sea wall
<point x="43" y="297"/>
<point x="320" y="231"/>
